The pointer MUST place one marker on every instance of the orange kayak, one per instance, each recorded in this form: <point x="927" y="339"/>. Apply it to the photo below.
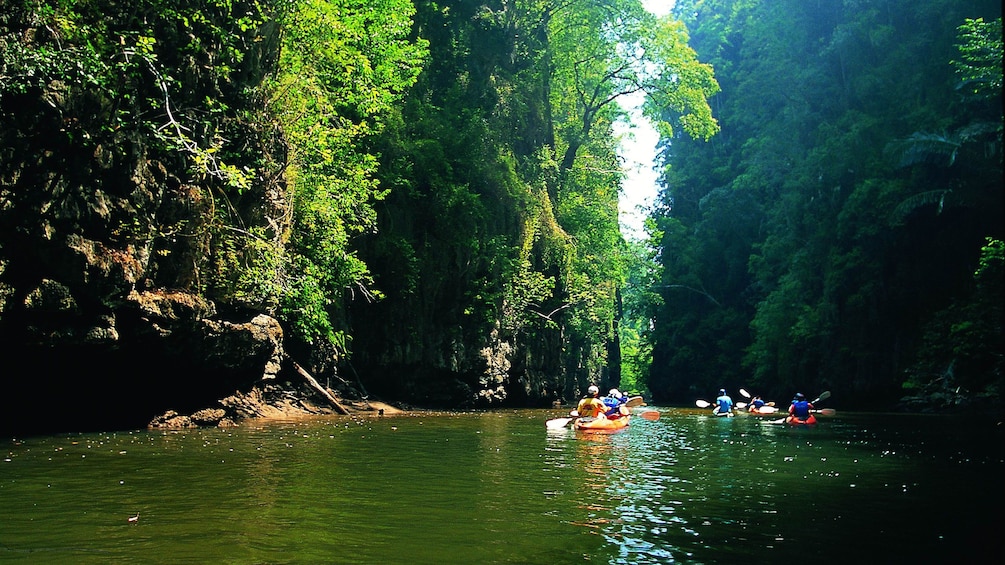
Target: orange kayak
<point x="601" y="424"/>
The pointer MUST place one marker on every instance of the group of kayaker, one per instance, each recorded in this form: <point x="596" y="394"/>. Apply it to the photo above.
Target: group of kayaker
<point x="800" y="409"/>
<point x="611" y="406"/>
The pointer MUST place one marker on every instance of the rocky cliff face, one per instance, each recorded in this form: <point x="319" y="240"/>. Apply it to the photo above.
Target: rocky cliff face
<point x="111" y="299"/>
<point x="139" y="169"/>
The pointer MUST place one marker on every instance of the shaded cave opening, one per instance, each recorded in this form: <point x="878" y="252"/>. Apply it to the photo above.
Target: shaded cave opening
<point x="77" y="389"/>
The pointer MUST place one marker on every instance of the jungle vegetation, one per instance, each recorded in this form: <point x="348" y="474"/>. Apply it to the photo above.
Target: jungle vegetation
<point x="448" y="178"/>
<point x="844" y="230"/>
<point x="436" y="182"/>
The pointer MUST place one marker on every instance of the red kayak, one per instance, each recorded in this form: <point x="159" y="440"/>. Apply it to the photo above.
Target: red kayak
<point x="792" y="420"/>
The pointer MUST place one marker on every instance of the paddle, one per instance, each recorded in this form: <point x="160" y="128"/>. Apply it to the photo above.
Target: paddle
<point x="635" y="401"/>
<point x="747" y="394"/>
<point x="823" y="396"/>
<point x="558" y="423"/>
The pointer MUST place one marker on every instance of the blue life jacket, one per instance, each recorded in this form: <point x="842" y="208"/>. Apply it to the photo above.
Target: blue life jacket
<point x="801" y="409"/>
<point x="613" y="405"/>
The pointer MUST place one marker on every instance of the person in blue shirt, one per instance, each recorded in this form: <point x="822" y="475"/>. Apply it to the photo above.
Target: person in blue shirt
<point x="723" y="404"/>
<point x="613" y="403"/>
<point x="800" y="409"/>
<point x="756" y="404"/>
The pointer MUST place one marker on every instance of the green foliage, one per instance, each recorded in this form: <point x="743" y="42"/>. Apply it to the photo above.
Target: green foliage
<point x="186" y="78"/>
<point x="961" y="364"/>
<point x="133" y="61"/>
<point x="344" y="64"/>
<point x="980" y="64"/>
<point x="682" y="85"/>
<point x="158" y="79"/>
<point x="600" y="52"/>
<point x="638" y="305"/>
<point x="504" y="179"/>
<point x="828" y="173"/>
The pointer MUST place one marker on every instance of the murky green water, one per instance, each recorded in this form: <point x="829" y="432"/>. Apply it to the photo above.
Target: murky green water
<point x="499" y="488"/>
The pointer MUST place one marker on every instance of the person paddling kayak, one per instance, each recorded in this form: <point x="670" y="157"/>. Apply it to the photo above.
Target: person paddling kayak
<point x="591" y="406"/>
<point x="724" y="404"/>
<point x="799" y="411"/>
<point x="613" y="403"/>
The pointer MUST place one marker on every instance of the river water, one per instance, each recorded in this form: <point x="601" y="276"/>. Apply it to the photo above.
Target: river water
<point x="498" y="487"/>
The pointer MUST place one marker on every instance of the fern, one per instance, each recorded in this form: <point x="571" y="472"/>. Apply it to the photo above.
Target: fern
<point x="920" y="200"/>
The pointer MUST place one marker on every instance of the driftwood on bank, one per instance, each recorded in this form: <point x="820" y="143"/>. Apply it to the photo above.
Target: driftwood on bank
<point x="320" y="389"/>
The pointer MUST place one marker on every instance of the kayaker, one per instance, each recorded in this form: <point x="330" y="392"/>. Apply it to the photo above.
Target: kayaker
<point x="800" y="407"/>
<point x="724" y="404"/>
<point x="613" y="403"/>
<point x="756" y="404"/>
<point x="591" y="406"/>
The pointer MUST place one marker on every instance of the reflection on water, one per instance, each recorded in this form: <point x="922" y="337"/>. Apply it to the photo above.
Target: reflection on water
<point x="498" y="487"/>
<point x="695" y="489"/>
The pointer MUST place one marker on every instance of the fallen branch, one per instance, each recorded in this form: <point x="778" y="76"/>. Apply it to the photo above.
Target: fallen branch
<point x="321" y="390"/>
